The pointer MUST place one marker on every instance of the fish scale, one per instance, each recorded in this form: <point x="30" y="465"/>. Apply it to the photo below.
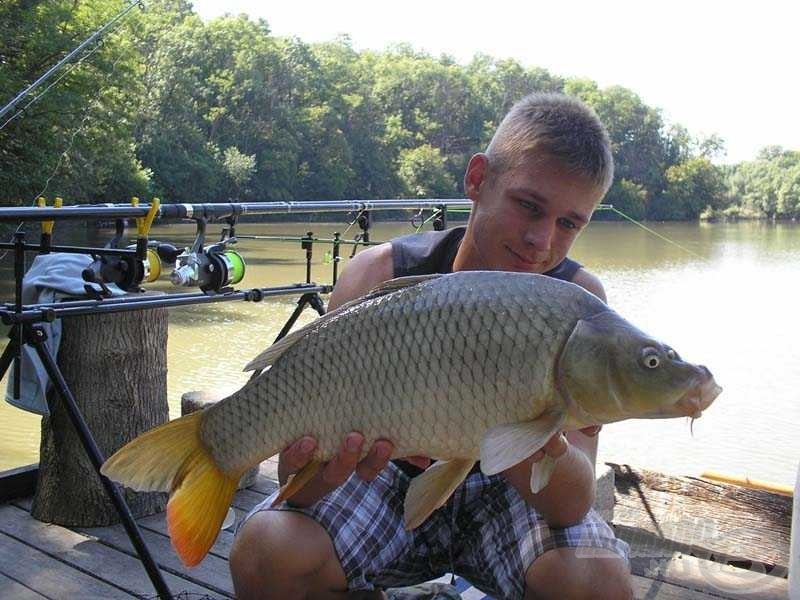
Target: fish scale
<point x="468" y="365"/>
<point x="443" y="361"/>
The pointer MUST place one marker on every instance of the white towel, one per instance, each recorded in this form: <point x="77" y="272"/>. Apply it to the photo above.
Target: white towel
<point x="50" y="278"/>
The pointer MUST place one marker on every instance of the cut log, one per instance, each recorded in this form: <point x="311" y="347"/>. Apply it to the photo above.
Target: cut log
<point x="116" y="367"/>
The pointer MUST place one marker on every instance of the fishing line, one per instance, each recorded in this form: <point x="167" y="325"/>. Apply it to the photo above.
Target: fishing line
<point x="435" y="214"/>
<point x="353" y="222"/>
<point x="89" y="106"/>
<point x="655" y="233"/>
<point x="612" y="208"/>
<point x="96" y="35"/>
<point x="78" y="130"/>
<point x="84" y="120"/>
<point x="41" y="95"/>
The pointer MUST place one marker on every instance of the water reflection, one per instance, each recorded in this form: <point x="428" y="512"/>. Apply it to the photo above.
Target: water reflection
<point x="733" y="309"/>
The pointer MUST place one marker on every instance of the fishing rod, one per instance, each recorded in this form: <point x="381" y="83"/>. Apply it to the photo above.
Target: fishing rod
<point x="317" y="240"/>
<point x="218" y="210"/>
<point x="47" y="313"/>
<point x="96" y="36"/>
<point x="215" y="266"/>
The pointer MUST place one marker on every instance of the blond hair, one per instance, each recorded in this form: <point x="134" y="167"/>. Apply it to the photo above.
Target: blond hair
<point x="556" y="126"/>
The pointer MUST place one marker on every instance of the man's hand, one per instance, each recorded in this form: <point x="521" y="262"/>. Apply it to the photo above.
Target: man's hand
<point x="570" y="492"/>
<point x="336" y="471"/>
<point x="557" y="445"/>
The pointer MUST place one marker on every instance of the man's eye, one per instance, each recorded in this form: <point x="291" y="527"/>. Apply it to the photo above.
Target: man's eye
<point x="566" y="223"/>
<point x="531" y="206"/>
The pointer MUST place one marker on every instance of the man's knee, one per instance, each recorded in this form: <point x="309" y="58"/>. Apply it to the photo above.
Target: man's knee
<point x="563" y="573"/>
<point x="283" y="554"/>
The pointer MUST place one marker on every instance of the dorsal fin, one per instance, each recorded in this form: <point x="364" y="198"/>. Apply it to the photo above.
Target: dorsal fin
<point x="270" y="355"/>
<point x="398" y="283"/>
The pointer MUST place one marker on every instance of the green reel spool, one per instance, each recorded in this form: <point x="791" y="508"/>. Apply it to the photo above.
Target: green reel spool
<point x="235" y="266"/>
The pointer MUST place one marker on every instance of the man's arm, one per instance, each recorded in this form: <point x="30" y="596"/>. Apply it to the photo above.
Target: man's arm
<point x="365" y="271"/>
<point x="571" y="491"/>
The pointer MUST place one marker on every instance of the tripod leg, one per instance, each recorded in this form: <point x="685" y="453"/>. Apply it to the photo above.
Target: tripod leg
<point x="7" y="357"/>
<point x="301" y="304"/>
<point x="36" y="338"/>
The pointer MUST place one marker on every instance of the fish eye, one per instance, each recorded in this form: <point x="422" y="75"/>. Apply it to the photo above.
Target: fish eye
<point x="650" y="358"/>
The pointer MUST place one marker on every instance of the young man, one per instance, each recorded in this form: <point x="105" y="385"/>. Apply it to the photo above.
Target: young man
<point x="545" y="171"/>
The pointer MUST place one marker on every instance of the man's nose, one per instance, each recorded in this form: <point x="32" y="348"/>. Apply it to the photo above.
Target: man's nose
<point x="540" y="235"/>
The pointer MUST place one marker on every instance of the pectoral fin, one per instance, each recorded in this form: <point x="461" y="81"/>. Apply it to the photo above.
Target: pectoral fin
<point x="507" y="445"/>
<point x="540" y="475"/>
<point x="431" y="490"/>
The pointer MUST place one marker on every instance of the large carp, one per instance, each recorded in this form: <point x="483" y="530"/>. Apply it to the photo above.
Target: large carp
<point x="474" y="365"/>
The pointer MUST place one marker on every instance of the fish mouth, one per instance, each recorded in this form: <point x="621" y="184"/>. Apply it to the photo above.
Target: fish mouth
<point x="696" y="400"/>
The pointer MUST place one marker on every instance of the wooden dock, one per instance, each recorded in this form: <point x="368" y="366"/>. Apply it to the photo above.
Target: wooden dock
<point x="689" y="539"/>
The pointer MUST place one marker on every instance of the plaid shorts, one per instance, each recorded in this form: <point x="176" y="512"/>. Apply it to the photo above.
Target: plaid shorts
<point x="486" y="533"/>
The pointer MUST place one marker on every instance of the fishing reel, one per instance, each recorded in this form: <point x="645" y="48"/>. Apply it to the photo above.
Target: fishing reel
<point x="127" y="270"/>
<point x="212" y="268"/>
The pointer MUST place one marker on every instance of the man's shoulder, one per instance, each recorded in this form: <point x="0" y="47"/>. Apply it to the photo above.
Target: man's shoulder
<point x="365" y="271"/>
<point x="426" y="252"/>
<point x="590" y="282"/>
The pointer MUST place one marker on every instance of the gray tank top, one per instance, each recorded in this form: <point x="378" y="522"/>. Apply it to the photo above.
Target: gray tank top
<point x="435" y="251"/>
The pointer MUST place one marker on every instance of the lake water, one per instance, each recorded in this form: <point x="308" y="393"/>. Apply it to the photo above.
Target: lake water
<point x="728" y="299"/>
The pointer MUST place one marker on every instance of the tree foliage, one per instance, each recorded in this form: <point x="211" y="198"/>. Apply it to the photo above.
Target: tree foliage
<point x="197" y="111"/>
<point x="768" y="186"/>
<point x="691" y="186"/>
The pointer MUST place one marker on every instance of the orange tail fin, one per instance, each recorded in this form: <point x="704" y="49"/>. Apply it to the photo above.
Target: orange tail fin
<point x="172" y="458"/>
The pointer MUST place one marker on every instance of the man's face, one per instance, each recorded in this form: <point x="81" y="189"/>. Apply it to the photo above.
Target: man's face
<point x="527" y="218"/>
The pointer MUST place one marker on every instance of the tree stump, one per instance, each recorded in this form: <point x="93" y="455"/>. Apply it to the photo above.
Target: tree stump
<point x="116" y="367"/>
<point x="199" y="400"/>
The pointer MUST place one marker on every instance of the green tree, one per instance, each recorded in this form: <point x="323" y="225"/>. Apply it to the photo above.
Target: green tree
<point x="424" y="173"/>
<point x="691" y="186"/>
<point x="767" y="186"/>
<point x="627" y="197"/>
<point x="239" y="168"/>
<point x="635" y="129"/>
<point x="75" y="141"/>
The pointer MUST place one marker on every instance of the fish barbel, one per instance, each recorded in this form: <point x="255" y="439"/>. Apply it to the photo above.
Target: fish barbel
<point x="473" y="365"/>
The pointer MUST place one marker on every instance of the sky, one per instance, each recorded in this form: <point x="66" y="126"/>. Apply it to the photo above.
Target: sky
<point x="728" y="68"/>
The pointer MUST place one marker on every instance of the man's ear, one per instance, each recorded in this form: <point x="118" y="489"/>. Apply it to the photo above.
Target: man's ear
<point x="476" y="173"/>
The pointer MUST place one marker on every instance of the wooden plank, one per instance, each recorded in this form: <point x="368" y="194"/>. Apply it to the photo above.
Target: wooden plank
<point x="653" y="589"/>
<point x="247" y="499"/>
<point x="86" y="554"/>
<point x="157" y="523"/>
<point x="705" y="518"/>
<point x="51" y="577"/>
<point x="715" y="578"/>
<point x="266" y="480"/>
<point x="222" y="545"/>
<point x="212" y="573"/>
<point x="269" y="468"/>
<point x="19" y="482"/>
<point x="10" y="588"/>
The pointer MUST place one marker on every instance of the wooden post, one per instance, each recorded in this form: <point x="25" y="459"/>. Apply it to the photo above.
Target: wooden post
<point x="116" y="367"/>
